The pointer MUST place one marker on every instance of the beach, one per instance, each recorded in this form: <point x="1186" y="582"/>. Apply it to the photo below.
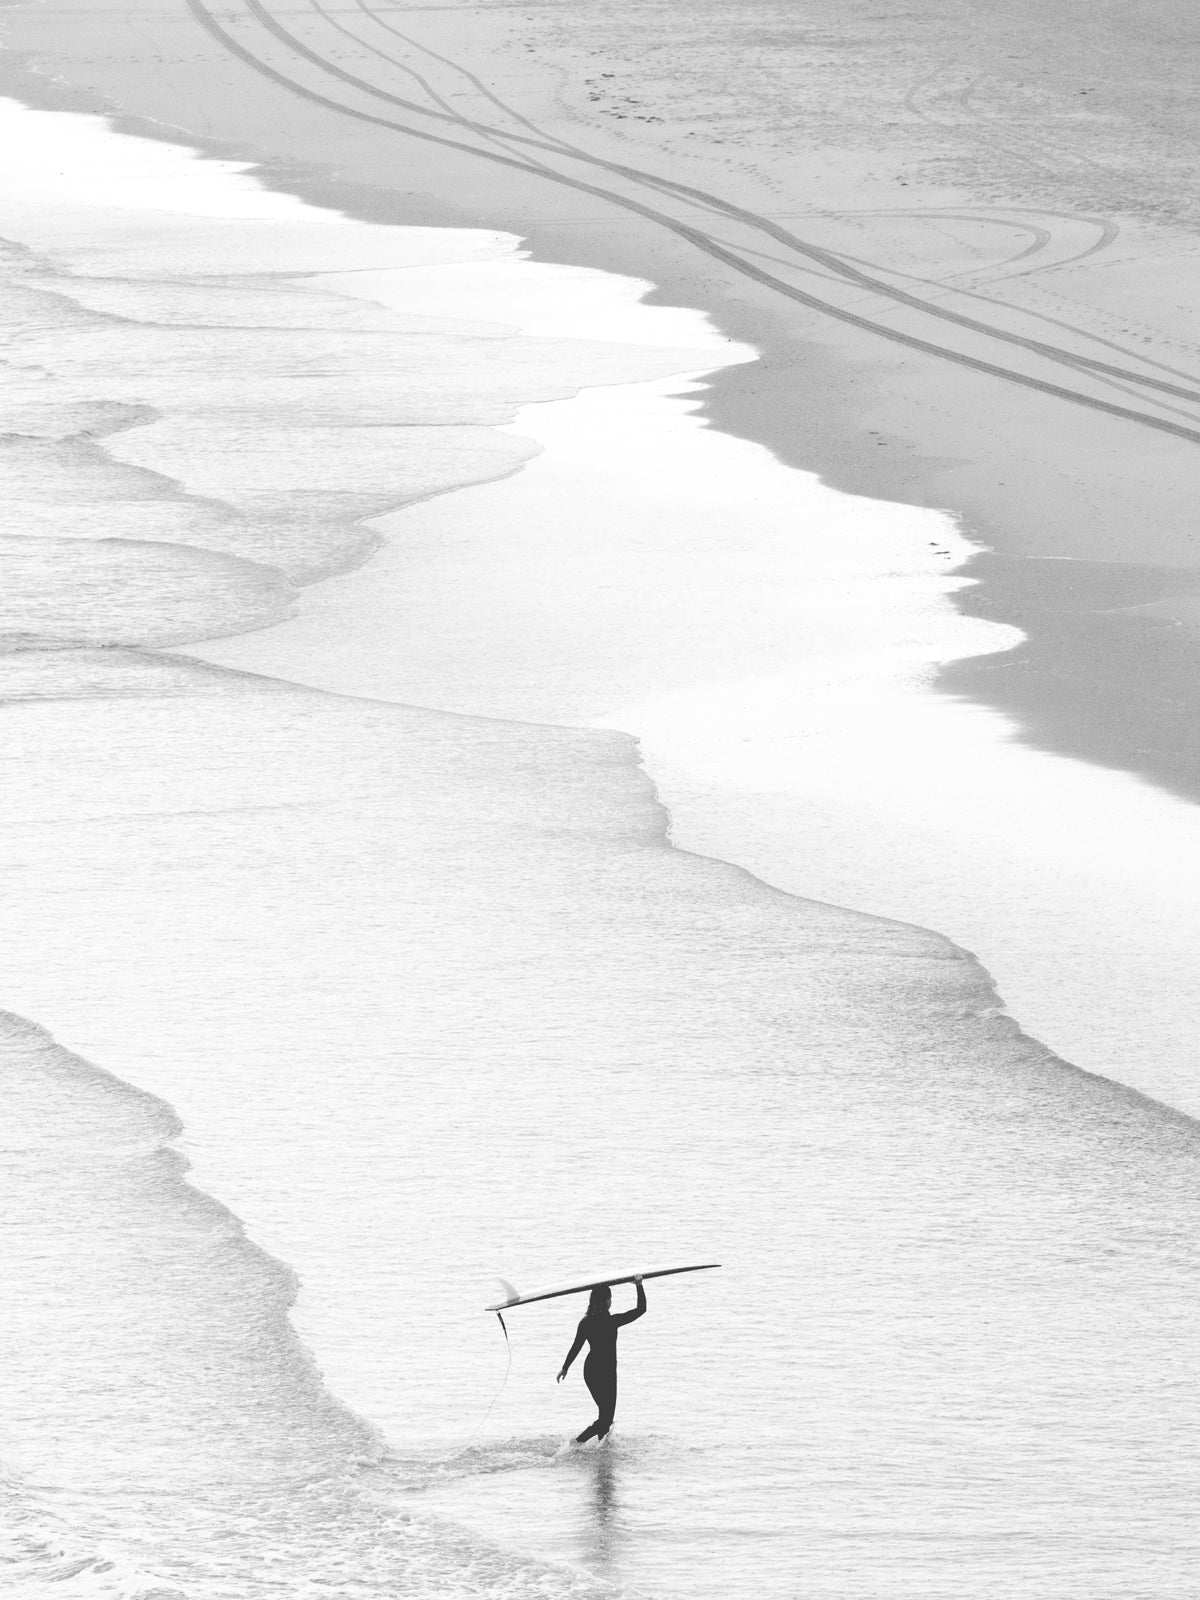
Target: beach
<point x="595" y="694"/>
<point x="1013" y="168"/>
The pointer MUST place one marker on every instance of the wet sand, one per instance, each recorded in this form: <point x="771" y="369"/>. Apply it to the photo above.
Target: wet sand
<point x="961" y="238"/>
<point x="364" y="950"/>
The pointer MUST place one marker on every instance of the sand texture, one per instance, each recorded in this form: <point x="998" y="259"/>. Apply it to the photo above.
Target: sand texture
<point x="962" y="235"/>
<point x="347" y="968"/>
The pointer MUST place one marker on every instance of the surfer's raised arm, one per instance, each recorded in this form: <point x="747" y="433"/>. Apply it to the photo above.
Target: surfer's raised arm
<point x="580" y="1336"/>
<point x="638" y="1311"/>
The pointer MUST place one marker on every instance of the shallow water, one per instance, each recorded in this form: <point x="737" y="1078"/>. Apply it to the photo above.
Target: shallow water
<point x="424" y="998"/>
<point x="950" y="1345"/>
<point x="772" y="643"/>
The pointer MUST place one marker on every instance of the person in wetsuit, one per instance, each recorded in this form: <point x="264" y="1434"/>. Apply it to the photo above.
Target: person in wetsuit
<point x="599" y="1330"/>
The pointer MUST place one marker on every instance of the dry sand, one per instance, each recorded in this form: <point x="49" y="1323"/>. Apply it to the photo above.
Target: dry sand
<point x="962" y="234"/>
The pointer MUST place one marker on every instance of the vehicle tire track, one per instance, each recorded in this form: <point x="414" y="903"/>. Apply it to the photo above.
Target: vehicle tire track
<point x="964" y="97"/>
<point x="910" y="99"/>
<point x="499" y="140"/>
<point x="1109" y="383"/>
<point x="477" y="83"/>
<point x="505" y="141"/>
<point x="1108" y="230"/>
<point x="1042" y="237"/>
<point x="1008" y="375"/>
<point x="1026" y="311"/>
<point x="751" y="219"/>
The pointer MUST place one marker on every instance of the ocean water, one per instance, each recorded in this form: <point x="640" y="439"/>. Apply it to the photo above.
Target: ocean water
<point x="772" y="644"/>
<point x="326" y="1002"/>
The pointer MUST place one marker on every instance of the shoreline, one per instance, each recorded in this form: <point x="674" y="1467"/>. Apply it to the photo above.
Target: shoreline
<point x="666" y="610"/>
<point x="417" y="983"/>
<point x="1090" y="490"/>
<point x="778" y="681"/>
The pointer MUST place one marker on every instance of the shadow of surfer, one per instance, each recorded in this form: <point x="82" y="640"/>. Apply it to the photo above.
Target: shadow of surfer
<point x="598" y="1330"/>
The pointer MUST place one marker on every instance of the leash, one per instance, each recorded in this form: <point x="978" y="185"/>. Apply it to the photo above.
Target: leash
<point x="495" y="1397"/>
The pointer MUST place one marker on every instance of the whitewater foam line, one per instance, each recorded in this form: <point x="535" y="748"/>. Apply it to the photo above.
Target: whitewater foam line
<point x="417" y="982"/>
<point x="163" y="1424"/>
<point x="993" y="1005"/>
<point x="96" y="1156"/>
<point x="775" y="646"/>
<point x="703" y="242"/>
<point x="211" y="190"/>
<point x="370" y="1072"/>
<point x="646" y="543"/>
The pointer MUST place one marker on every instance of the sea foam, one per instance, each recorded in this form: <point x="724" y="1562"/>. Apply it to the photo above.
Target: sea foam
<point x="423" y="997"/>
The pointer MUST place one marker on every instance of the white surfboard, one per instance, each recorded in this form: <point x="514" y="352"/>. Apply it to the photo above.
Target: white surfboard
<point x="516" y="1299"/>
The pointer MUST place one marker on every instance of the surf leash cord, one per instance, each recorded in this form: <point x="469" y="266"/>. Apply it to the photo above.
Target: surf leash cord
<point x="495" y="1397"/>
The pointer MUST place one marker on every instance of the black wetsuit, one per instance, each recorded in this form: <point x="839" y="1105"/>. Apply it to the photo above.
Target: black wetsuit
<point x="600" y="1367"/>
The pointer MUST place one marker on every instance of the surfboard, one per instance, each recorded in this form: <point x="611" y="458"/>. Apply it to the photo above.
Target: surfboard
<point x="516" y="1299"/>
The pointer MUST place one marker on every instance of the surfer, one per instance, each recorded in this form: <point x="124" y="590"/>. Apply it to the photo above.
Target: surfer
<point x="598" y="1330"/>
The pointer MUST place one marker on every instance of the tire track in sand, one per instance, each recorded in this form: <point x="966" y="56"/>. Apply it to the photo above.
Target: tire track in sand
<point x="1107" y="230"/>
<point x="694" y="236"/>
<point x="828" y="258"/>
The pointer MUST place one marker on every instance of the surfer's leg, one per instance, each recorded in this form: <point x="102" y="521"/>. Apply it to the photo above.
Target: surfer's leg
<point x="602" y="1385"/>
